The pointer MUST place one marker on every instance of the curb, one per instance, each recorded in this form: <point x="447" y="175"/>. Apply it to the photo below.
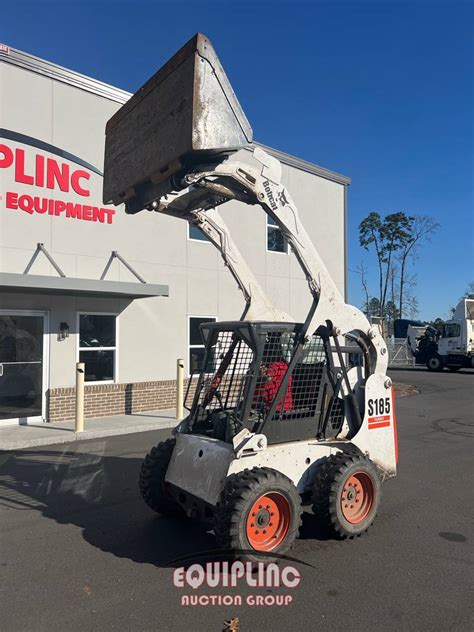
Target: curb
<point x="70" y="436"/>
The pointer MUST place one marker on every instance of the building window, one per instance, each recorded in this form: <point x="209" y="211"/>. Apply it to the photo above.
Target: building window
<point x="276" y="241"/>
<point x="98" y="346"/>
<point x="196" y="234"/>
<point x="196" y="346"/>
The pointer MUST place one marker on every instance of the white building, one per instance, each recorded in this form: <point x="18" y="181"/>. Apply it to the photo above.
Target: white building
<point x="57" y="310"/>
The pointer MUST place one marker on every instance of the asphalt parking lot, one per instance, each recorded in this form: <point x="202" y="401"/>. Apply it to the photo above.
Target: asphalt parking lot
<point x="81" y="551"/>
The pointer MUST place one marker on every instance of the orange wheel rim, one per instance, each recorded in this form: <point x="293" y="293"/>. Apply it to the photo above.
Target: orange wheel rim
<point x="357" y="498"/>
<point x="268" y="522"/>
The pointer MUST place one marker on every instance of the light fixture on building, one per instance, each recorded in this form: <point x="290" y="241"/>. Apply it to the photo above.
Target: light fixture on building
<point x="63" y="331"/>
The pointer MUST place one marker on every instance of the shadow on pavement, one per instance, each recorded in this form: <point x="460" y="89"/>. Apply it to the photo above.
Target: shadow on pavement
<point x="99" y="494"/>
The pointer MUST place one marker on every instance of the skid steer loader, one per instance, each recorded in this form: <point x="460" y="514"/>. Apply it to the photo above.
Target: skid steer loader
<point x="278" y="417"/>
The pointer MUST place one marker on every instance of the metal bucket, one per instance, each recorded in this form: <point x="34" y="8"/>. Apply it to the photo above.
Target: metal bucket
<point x="186" y="114"/>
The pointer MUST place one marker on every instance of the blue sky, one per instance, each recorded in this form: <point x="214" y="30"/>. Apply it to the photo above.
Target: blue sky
<point x="379" y="91"/>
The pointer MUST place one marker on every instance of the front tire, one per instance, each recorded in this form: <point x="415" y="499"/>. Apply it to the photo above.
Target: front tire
<point x="151" y="482"/>
<point x="434" y="362"/>
<point x="259" y="511"/>
<point x="346" y="494"/>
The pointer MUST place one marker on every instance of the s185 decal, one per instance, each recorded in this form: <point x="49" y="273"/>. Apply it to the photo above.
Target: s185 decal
<point x="379" y="409"/>
<point x="380" y="406"/>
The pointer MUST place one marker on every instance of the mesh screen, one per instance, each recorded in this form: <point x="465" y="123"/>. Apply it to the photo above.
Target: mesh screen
<point x="302" y="393"/>
<point x="335" y="416"/>
<point x="229" y="368"/>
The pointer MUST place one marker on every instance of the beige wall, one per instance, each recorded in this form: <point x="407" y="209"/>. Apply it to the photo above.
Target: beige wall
<point x="152" y="332"/>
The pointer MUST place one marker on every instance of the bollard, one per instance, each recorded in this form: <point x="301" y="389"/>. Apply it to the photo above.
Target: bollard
<point x="179" y="387"/>
<point x="80" y="371"/>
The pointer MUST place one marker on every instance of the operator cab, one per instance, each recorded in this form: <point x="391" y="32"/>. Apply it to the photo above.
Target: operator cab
<point x="264" y="376"/>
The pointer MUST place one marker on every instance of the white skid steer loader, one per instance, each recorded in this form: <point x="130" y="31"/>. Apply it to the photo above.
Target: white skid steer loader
<point x="278" y="417"/>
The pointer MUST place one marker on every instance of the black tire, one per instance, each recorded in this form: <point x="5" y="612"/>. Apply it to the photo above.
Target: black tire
<point x="152" y="479"/>
<point x="454" y="367"/>
<point x="233" y="526"/>
<point x="434" y="362"/>
<point x="330" y="494"/>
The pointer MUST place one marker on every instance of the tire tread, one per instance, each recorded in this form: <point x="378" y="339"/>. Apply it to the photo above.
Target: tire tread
<point x="150" y="481"/>
<point x="325" y="492"/>
<point x="238" y="490"/>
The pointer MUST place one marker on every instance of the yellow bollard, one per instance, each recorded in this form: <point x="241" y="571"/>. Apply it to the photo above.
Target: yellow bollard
<point x="80" y="372"/>
<point x="179" y="388"/>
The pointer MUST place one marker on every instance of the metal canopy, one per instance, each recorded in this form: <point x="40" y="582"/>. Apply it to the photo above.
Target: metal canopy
<point x="13" y="282"/>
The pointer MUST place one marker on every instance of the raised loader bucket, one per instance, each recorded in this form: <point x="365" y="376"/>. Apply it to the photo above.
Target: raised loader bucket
<point x="186" y="114"/>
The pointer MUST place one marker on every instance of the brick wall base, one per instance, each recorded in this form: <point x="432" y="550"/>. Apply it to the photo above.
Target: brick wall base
<point x="101" y="400"/>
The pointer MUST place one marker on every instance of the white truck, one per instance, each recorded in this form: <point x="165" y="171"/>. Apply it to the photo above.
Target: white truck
<point x="454" y="348"/>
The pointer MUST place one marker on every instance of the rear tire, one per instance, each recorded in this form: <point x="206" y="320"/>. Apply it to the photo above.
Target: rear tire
<point x="259" y="510"/>
<point x="153" y="488"/>
<point x="346" y="494"/>
<point x="434" y="362"/>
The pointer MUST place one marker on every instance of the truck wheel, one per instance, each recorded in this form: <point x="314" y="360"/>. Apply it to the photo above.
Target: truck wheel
<point x="346" y="494"/>
<point x="152" y="479"/>
<point x="434" y="362"/>
<point x="259" y="511"/>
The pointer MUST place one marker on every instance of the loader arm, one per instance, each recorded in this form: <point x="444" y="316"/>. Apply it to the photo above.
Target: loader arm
<point x="260" y="183"/>
<point x="258" y="305"/>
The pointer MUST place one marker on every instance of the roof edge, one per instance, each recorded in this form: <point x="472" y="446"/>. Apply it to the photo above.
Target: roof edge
<point x="60" y="73"/>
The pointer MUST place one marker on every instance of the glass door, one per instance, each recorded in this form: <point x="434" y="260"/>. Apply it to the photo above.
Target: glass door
<point x="22" y="366"/>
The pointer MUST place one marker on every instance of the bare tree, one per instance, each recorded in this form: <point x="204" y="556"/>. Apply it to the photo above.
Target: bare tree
<point x="362" y="271"/>
<point x="422" y="229"/>
<point x="412" y="302"/>
<point x="410" y="283"/>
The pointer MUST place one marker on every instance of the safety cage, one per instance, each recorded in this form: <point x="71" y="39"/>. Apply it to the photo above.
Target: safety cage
<point x="267" y="378"/>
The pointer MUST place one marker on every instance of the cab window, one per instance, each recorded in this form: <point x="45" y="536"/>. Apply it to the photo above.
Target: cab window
<point x="453" y="330"/>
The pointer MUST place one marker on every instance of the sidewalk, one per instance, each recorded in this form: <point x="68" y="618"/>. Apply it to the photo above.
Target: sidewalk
<point x="18" y="437"/>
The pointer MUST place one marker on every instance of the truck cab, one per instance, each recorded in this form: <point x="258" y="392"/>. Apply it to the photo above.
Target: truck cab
<point x="455" y="348"/>
<point x="454" y="338"/>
